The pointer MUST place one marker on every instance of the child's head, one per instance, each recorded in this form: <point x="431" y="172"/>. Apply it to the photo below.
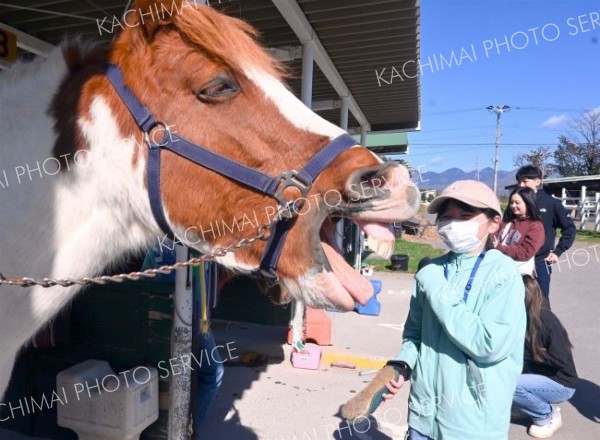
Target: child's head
<point x="534" y="300"/>
<point x="534" y="304"/>
<point x="468" y="212"/>
<point x="522" y="204"/>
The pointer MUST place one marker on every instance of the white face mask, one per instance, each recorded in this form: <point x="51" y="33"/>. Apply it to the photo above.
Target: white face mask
<point x="460" y="235"/>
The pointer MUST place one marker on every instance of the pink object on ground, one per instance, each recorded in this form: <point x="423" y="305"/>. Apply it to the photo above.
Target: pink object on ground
<point x="309" y="361"/>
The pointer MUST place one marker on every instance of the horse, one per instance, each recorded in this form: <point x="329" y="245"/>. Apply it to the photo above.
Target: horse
<point x="74" y="185"/>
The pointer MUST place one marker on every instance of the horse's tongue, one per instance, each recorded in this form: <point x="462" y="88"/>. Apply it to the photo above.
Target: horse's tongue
<point x="380" y="231"/>
<point x="357" y="286"/>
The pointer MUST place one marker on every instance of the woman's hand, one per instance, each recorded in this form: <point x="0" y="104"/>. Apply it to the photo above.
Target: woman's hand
<point x="394" y="388"/>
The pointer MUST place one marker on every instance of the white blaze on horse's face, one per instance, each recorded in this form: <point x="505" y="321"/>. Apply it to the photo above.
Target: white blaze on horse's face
<point x="343" y="285"/>
<point x="291" y="107"/>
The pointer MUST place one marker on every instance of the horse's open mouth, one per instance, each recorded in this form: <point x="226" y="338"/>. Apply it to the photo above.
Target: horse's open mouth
<point x="345" y="286"/>
<point x="386" y="195"/>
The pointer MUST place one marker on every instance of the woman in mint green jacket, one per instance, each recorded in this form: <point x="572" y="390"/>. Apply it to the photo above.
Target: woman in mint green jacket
<point x="462" y="346"/>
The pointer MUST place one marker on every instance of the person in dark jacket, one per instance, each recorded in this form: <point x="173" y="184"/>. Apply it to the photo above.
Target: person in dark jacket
<point x="521" y="233"/>
<point x="549" y="374"/>
<point x="554" y="216"/>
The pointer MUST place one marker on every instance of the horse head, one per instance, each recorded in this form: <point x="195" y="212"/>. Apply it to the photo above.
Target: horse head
<point x="204" y="75"/>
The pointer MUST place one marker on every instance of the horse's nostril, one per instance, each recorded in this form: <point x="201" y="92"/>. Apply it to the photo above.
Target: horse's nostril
<point x="368" y="183"/>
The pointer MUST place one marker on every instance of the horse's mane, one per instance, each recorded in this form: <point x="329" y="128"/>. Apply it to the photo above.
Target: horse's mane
<point x="227" y="40"/>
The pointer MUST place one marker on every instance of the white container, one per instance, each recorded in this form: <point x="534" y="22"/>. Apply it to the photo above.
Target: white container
<point x="100" y="404"/>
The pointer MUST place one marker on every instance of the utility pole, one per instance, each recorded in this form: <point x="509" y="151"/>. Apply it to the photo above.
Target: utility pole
<point x="477" y="166"/>
<point x="499" y="110"/>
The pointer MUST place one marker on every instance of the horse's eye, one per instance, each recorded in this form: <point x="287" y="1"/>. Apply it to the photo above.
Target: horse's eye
<point x="219" y="88"/>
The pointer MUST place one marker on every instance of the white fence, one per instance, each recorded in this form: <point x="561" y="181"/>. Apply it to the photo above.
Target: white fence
<point x="582" y="207"/>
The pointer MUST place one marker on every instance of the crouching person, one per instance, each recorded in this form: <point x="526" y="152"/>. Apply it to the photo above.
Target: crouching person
<point x="463" y="339"/>
<point x="549" y="374"/>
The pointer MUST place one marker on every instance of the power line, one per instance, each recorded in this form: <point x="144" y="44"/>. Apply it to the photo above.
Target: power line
<point x="519" y="107"/>
<point x="533" y="128"/>
<point x="438" y="152"/>
<point x="547" y="109"/>
<point x="452" y="112"/>
<point x="457" y="128"/>
<point x="486" y="144"/>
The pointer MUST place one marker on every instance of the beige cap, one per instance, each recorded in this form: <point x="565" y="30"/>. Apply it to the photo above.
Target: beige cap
<point x="471" y="192"/>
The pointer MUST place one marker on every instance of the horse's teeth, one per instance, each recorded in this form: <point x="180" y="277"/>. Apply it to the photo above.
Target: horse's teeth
<point x="383" y="248"/>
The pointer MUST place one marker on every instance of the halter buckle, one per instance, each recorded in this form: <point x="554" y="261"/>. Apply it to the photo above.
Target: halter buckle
<point x="291" y="208"/>
<point x="270" y="276"/>
<point x="166" y="139"/>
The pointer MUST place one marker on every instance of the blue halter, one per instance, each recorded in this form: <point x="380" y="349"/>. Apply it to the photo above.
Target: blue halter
<point x="257" y="180"/>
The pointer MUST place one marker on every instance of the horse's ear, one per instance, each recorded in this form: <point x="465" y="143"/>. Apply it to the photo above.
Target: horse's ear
<point x="152" y="14"/>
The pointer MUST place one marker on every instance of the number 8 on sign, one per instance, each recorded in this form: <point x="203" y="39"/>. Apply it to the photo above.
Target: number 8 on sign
<point x="3" y="45"/>
<point x="8" y="46"/>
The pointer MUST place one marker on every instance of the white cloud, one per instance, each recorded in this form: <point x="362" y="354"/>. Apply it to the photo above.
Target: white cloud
<point x="554" y="121"/>
<point x="436" y="160"/>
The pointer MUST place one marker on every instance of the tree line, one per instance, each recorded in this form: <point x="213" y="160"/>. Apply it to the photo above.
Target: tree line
<point x="577" y="152"/>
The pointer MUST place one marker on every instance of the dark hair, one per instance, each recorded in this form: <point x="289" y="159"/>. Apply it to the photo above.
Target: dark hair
<point x="528" y="196"/>
<point x="489" y="212"/>
<point x="528" y="172"/>
<point x="534" y="303"/>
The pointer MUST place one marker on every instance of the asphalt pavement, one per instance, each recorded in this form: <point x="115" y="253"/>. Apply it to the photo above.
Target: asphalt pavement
<point x="279" y="402"/>
<point x="273" y="401"/>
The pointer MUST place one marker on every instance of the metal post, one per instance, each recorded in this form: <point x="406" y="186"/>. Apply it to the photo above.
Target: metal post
<point x="363" y="135"/>
<point x="343" y="225"/>
<point x="583" y="213"/>
<point x="180" y="389"/>
<point x="499" y="110"/>
<point x="181" y="344"/>
<point x="344" y="113"/>
<point x="298" y="307"/>
<point x="497" y="153"/>
<point x="347" y="231"/>
<point x="308" y="59"/>
<point x="359" y="236"/>
<point x="597" y="213"/>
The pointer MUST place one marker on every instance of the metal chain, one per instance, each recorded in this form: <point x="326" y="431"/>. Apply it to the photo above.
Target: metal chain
<point x="262" y="233"/>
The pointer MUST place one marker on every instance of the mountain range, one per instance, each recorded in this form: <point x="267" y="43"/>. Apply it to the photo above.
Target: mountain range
<point x="439" y="181"/>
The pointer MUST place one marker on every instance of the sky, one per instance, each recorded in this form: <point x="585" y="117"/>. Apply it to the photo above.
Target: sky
<point x="545" y="82"/>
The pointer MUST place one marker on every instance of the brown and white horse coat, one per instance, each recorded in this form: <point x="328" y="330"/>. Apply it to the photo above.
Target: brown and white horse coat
<point x="203" y="74"/>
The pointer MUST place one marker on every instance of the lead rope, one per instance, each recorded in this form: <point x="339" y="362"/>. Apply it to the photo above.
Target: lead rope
<point x="263" y="233"/>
